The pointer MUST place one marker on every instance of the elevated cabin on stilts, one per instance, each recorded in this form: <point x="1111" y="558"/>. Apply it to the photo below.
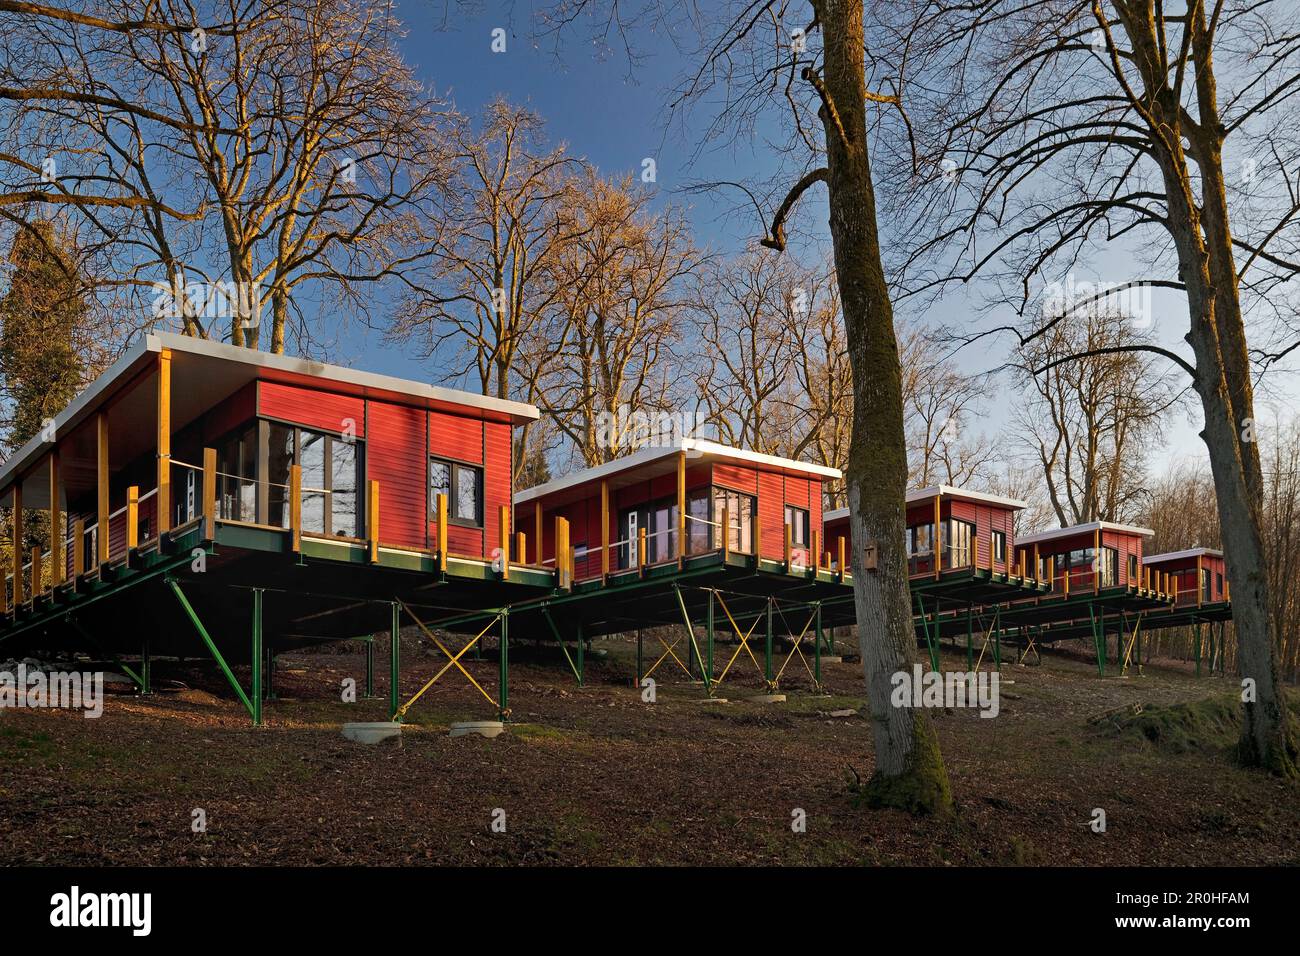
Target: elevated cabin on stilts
<point x="1198" y="576"/>
<point x="207" y="497"/>
<point x="1088" y="557"/>
<point x="692" y="535"/>
<point x="961" y="560"/>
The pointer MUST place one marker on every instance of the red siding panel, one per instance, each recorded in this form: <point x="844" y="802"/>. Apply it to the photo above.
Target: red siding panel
<point x="461" y="438"/>
<point x="395" y="458"/>
<point x="496" y="480"/>
<point x="313" y="408"/>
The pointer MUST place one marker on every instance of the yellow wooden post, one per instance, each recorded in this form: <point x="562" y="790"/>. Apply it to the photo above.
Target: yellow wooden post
<point x="604" y="528"/>
<point x="1038" y="568"/>
<point x="844" y="568"/>
<point x="537" y="531"/>
<point x="788" y="547"/>
<point x="372" y="519"/>
<point x="521" y="547"/>
<point x="681" y="506"/>
<point x="1051" y="573"/>
<point x="816" y="550"/>
<point x="503" y="532"/>
<point x="1064" y="577"/>
<point x="295" y="508"/>
<point x="209" y="494"/>
<point x="562" y="574"/>
<point x="56" y="524"/>
<point x="440" y="510"/>
<point x="1096" y="561"/>
<point x="101" y="483"/>
<point x="938" y="552"/>
<point x="17" y="542"/>
<point x="640" y="549"/>
<point x="726" y="533"/>
<point x="1200" y="591"/>
<point x="36" y="570"/>
<point x="78" y="547"/>
<point x="163" y="500"/>
<point x="132" y="518"/>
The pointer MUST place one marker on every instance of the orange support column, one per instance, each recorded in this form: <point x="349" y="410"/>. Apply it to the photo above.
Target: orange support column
<point x="17" y="542"/>
<point x="164" y="497"/>
<point x="56" y="524"/>
<point x="101" y="486"/>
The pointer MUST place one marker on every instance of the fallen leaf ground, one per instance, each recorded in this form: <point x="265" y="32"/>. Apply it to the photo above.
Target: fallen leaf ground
<point x="593" y="775"/>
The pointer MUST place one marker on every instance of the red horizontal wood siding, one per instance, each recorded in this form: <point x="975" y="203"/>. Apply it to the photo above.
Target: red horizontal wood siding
<point x="395" y="458"/>
<point x="313" y="408"/>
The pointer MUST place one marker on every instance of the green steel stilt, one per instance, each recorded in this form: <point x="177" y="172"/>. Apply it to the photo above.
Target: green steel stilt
<point x="640" y="656"/>
<point x="257" y="657"/>
<point x="970" y="637"/>
<point x="1197" y="644"/>
<point x="210" y="644"/>
<point x="817" y="646"/>
<point x="997" y="636"/>
<point x="708" y="646"/>
<point x="395" y="663"/>
<point x="370" y="667"/>
<point x="582" y="643"/>
<point x="146" y="669"/>
<point x="769" y="642"/>
<point x="503" y="673"/>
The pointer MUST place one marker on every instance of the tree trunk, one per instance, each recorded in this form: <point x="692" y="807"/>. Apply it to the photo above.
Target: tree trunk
<point x="909" y="767"/>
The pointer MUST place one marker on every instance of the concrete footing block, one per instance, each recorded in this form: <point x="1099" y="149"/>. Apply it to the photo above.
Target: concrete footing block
<point x="482" y="728"/>
<point x="372" y="733"/>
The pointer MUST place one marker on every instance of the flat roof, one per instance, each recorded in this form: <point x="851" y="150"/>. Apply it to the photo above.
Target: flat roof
<point x="1182" y="555"/>
<point x="1072" y="530"/>
<point x="947" y="491"/>
<point x="202" y="361"/>
<point x="696" y="449"/>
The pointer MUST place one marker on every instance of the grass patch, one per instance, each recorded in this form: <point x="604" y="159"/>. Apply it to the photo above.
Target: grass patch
<point x="537" y="732"/>
<point x="1210" y="724"/>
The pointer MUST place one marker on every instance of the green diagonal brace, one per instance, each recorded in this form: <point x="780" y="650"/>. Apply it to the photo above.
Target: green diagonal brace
<point x="925" y="627"/>
<point x="546" y="613"/>
<point x="212" y="647"/>
<point x="690" y="631"/>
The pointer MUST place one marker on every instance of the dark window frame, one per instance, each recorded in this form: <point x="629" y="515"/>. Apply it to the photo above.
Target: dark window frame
<point x="999" y="545"/>
<point x="795" y="529"/>
<point x="454" y="468"/>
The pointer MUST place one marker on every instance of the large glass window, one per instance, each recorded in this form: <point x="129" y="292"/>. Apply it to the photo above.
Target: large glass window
<point x="331" y="480"/>
<point x="463" y="486"/>
<point x="237" y="475"/>
<point x="698" y="522"/>
<point x="740" y="520"/>
<point x="920" y="548"/>
<point x="956" y="543"/>
<point x="797" y="520"/>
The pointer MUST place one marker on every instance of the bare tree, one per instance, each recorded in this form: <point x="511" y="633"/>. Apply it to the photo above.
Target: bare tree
<point x="1090" y="424"/>
<point x="619" y="308"/>
<point x="1064" y="127"/>
<point x="278" y="149"/>
<point x="756" y="61"/>
<point x="940" y="400"/>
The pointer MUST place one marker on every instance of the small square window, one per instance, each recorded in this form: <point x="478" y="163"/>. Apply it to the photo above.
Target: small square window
<point x="463" y="487"/>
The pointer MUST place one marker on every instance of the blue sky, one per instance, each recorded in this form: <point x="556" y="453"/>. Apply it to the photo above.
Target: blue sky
<point x="615" y="120"/>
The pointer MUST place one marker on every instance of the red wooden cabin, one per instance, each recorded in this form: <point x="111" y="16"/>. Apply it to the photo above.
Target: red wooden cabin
<point x="976" y="530"/>
<point x="663" y="504"/>
<point x="1197" y="575"/>
<point x="1087" y="557"/>
<point x="136" y="437"/>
